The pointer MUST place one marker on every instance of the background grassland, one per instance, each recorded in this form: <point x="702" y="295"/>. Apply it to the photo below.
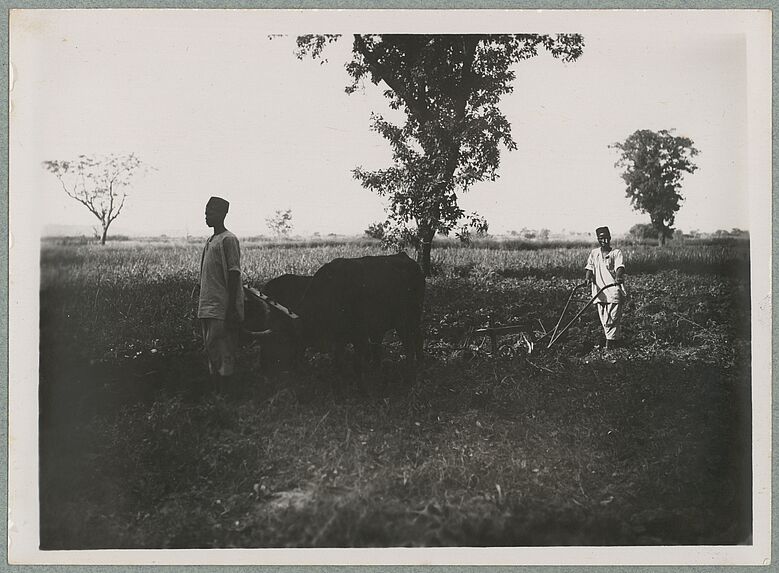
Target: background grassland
<point x="646" y="445"/>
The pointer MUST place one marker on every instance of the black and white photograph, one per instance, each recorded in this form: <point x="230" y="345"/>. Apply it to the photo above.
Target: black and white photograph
<point x="389" y="287"/>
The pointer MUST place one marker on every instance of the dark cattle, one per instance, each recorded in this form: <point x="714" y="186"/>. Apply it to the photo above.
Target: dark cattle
<point x="358" y="300"/>
<point x="282" y="349"/>
<point x="287" y="289"/>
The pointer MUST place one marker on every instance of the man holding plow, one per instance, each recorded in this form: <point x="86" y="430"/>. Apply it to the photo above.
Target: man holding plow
<point x="604" y="267"/>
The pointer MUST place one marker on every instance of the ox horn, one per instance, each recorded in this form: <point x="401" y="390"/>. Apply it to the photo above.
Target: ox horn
<point x="259" y="333"/>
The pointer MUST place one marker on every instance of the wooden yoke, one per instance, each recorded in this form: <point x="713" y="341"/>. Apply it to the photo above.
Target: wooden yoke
<point x="266" y="299"/>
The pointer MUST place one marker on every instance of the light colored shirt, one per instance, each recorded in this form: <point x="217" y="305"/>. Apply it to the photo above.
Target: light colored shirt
<point x="604" y="267"/>
<point x="221" y="255"/>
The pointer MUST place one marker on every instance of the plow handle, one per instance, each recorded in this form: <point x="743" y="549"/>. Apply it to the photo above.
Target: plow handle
<point x="565" y="308"/>
<point x="578" y="314"/>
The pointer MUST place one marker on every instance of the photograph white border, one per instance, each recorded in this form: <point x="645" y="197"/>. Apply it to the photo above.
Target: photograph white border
<point x="24" y="271"/>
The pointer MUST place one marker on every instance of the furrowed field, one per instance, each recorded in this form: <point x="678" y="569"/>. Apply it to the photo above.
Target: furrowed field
<point x="644" y="445"/>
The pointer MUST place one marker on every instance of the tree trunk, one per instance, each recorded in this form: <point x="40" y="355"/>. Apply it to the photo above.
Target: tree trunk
<point x="105" y="233"/>
<point x="425" y="246"/>
<point x="659" y="226"/>
<point x="424" y="257"/>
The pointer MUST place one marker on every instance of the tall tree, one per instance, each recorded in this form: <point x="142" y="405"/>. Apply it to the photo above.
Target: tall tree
<point x="653" y="164"/>
<point x="99" y="183"/>
<point x="449" y="87"/>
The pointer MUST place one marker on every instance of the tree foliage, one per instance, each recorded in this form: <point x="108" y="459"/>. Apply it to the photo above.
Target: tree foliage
<point x="474" y="224"/>
<point x="642" y="232"/>
<point x="653" y="164"/>
<point x="99" y="183"/>
<point x="280" y="223"/>
<point x="375" y="231"/>
<point x="449" y="87"/>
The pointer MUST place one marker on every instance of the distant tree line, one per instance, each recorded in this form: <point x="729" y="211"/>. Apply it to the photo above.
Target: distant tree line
<point x="531" y="234"/>
<point x="646" y="232"/>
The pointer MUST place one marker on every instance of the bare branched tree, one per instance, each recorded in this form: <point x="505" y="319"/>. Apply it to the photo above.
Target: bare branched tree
<point x="99" y="183"/>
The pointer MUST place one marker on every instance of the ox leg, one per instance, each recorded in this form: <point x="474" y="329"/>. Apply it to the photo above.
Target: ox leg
<point x="341" y="370"/>
<point x="265" y="357"/>
<point x="338" y="352"/>
<point x="412" y="346"/>
<point x="376" y="349"/>
<point x="418" y="342"/>
<point x="362" y="351"/>
<point x="297" y="357"/>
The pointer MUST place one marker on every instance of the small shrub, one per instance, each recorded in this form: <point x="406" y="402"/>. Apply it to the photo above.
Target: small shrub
<point x="375" y="231"/>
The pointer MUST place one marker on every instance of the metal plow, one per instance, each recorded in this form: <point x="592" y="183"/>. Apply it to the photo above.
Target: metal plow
<point x="534" y="339"/>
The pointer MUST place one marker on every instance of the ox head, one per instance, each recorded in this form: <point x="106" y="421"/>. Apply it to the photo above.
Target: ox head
<point x="256" y="317"/>
<point x="275" y="332"/>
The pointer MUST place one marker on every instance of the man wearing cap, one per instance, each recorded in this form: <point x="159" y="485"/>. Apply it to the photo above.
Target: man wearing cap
<point x="220" y="307"/>
<point x="605" y="267"/>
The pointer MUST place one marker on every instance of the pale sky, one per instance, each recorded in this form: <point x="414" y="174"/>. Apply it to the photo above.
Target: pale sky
<point x="220" y="109"/>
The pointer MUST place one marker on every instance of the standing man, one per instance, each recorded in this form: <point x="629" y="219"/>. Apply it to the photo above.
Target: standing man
<point x="220" y="308"/>
<point x="605" y="267"/>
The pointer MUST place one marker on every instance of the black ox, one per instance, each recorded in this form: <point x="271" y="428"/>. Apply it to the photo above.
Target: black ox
<point x="281" y="346"/>
<point x="353" y="301"/>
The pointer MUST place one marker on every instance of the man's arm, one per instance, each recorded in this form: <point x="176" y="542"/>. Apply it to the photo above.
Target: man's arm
<point x="232" y="252"/>
<point x="620" y="267"/>
<point x="589" y="275"/>
<point x="233" y="284"/>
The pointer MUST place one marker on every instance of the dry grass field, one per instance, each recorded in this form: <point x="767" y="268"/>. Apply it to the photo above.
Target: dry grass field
<point x="644" y="445"/>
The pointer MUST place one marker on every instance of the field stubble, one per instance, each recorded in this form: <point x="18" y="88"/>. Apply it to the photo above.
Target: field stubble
<point x="646" y="445"/>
